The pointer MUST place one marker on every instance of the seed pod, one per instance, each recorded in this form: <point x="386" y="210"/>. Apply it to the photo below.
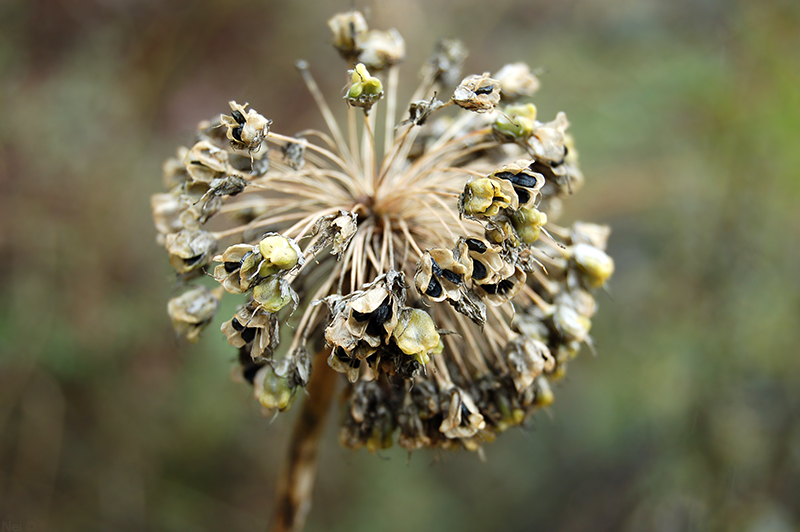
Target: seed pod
<point x="517" y="123"/>
<point x="174" y="169"/>
<point x="593" y="262"/>
<point x="527" y="359"/>
<point x="272" y="391"/>
<point x="516" y="81"/>
<point x="420" y="110"/>
<point x="488" y="267"/>
<point x="548" y="140"/>
<point x="279" y="254"/>
<point x="479" y="94"/>
<point x="340" y="361"/>
<point x="230" y="185"/>
<point x="254" y="327"/>
<point x="416" y="334"/>
<point x="274" y="293"/>
<point x="570" y="325"/>
<point x="446" y="61"/>
<point x="246" y="129"/>
<point x="441" y="274"/>
<point x="167" y="209"/>
<point x="504" y="289"/>
<point x="365" y="319"/>
<point x="381" y="49"/>
<point x="192" y="311"/>
<point x="528" y="223"/>
<point x="336" y="230"/>
<point x="294" y="154"/>
<point x="525" y="181"/>
<point x="486" y="196"/>
<point x="348" y="28"/>
<point x="500" y="230"/>
<point x="205" y="162"/>
<point x="190" y="251"/>
<point x="365" y="90"/>
<point x="463" y="418"/>
<point x="229" y="274"/>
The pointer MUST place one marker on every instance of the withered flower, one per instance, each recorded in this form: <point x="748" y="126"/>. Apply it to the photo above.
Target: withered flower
<point x="421" y="260"/>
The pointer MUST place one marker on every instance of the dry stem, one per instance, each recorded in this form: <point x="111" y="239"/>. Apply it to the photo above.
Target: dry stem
<point x="296" y="482"/>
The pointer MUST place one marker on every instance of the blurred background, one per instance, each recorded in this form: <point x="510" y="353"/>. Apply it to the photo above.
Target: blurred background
<point x="687" y="117"/>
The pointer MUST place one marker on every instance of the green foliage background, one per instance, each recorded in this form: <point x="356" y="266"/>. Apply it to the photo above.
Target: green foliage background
<point x="687" y="116"/>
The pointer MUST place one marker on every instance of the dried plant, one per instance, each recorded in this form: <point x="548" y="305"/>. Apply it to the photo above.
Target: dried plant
<point x="427" y="268"/>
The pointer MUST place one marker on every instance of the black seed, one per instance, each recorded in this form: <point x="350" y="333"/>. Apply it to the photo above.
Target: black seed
<point x="478" y="270"/>
<point x="452" y="277"/>
<point x="248" y="334"/>
<point x="382" y="314"/>
<point x="361" y="317"/>
<point x="191" y="261"/>
<point x="236" y="133"/>
<point x="341" y="354"/>
<point x="231" y="267"/>
<point x="520" y="179"/>
<point x="476" y="245"/>
<point x="355" y="363"/>
<point x="523" y="194"/>
<point x="484" y="90"/>
<point x="236" y="325"/>
<point x="238" y="116"/>
<point x="434" y="288"/>
<point x="489" y="288"/>
<point x="435" y="268"/>
<point x="246" y="255"/>
<point x="464" y="413"/>
<point x="504" y="286"/>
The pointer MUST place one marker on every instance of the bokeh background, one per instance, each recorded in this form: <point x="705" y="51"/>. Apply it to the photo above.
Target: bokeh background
<point x="687" y="117"/>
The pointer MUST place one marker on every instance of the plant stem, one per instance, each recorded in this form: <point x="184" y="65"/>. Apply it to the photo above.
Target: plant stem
<point x="296" y="483"/>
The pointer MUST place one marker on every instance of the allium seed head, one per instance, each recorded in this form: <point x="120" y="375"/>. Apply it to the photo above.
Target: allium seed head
<point x="422" y="260"/>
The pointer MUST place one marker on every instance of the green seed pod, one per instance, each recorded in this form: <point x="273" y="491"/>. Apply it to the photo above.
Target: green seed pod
<point x="528" y="222"/>
<point x="365" y="90"/>
<point x="416" y="334"/>
<point x="272" y="391"/>
<point x="517" y="122"/>
<point x="273" y="294"/>
<point x="486" y="196"/>
<point x="279" y="253"/>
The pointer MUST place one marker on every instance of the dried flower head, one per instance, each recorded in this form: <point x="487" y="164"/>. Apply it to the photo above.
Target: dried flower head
<point x="422" y="260"/>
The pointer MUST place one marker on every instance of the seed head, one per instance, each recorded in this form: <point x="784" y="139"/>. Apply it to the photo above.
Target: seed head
<point x="429" y="268"/>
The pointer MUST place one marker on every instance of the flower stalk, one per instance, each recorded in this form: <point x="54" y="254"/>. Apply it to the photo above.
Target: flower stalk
<point x="428" y="267"/>
<point x="296" y="481"/>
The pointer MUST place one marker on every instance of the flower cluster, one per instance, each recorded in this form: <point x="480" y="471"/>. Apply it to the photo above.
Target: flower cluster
<point x="420" y="259"/>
